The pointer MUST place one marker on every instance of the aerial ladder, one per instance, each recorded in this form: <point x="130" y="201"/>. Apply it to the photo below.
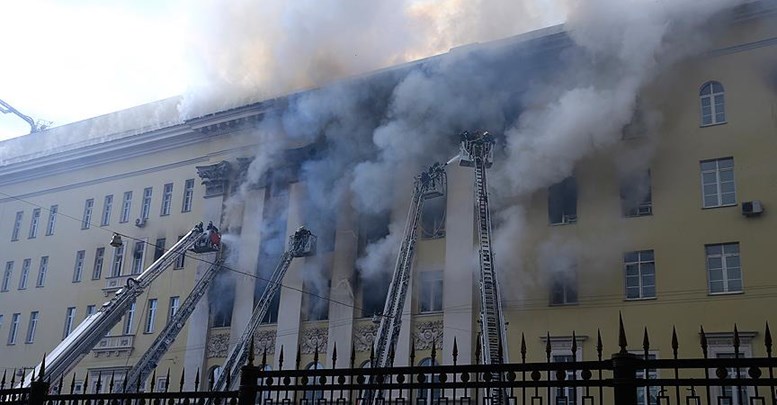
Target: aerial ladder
<point x="429" y="184"/>
<point x="166" y="337"/>
<point x="301" y="243"/>
<point x="477" y="151"/>
<point x="79" y="342"/>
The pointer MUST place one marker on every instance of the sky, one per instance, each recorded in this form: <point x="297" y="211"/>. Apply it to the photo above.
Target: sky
<point x="69" y="60"/>
<point x="65" y="61"/>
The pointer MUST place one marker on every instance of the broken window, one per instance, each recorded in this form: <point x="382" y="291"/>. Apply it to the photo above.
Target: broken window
<point x="374" y="292"/>
<point x="433" y="218"/>
<point x="636" y="195"/>
<point x="562" y="202"/>
<point x="374" y="282"/>
<point x="221" y="297"/>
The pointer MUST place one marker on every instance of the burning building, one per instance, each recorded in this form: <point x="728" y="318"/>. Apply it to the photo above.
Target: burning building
<point x="631" y="174"/>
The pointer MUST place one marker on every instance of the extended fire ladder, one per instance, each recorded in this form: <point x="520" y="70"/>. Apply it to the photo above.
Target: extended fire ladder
<point x="430" y="184"/>
<point x="79" y="342"/>
<point x="167" y="336"/>
<point x="477" y="151"/>
<point x="302" y="243"/>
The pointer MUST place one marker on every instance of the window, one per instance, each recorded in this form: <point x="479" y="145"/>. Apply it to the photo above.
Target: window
<point x="150" y="316"/>
<point x="126" y="205"/>
<point x="314" y="396"/>
<point x="52" y="220"/>
<point x="145" y="207"/>
<point x="90" y="310"/>
<point x="118" y="260"/>
<point x="640" y="268"/>
<point x="167" y="199"/>
<point x="647" y="396"/>
<point x="32" y="327"/>
<point x="175" y="303"/>
<point x="107" y="207"/>
<point x="42" y="270"/>
<point x="713" y="104"/>
<point x="25" y="273"/>
<point x="7" y="276"/>
<point x="137" y="257"/>
<point x="564" y="395"/>
<point x="179" y="262"/>
<point x="159" y="248"/>
<point x="188" y="195"/>
<point x="429" y="396"/>
<point x="636" y="195"/>
<point x="70" y="315"/>
<point x="99" y="258"/>
<point x="433" y="218"/>
<point x="14" y="328"/>
<point x="430" y="296"/>
<point x="562" y="202"/>
<point x="128" y="320"/>
<point x="728" y="394"/>
<point x="723" y="268"/>
<point x="87" y="219"/>
<point x="78" y="269"/>
<point x="34" y="222"/>
<point x="17" y="226"/>
<point x="563" y="288"/>
<point x="374" y="292"/>
<point x="717" y="183"/>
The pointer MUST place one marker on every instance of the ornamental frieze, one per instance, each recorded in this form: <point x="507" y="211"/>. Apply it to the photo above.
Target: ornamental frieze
<point x="364" y="336"/>
<point x="218" y="344"/>
<point x="264" y="340"/>
<point x="428" y="333"/>
<point x="313" y="338"/>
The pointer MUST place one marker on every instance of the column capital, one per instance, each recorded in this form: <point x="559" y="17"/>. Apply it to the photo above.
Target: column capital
<point x="215" y="178"/>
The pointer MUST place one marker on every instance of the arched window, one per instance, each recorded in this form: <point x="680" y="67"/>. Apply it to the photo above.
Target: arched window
<point x="429" y="396"/>
<point x="312" y="397"/>
<point x="713" y="104"/>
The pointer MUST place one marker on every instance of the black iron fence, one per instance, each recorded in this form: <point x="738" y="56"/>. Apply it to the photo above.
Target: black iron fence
<point x="624" y="378"/>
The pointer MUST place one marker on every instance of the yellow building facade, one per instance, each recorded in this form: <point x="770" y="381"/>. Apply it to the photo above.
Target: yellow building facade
<point x="678" y="239"/>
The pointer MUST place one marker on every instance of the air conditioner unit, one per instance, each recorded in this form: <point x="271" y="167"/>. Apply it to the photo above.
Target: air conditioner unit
<point x="140" y="222"/>
<point x="752" y="208"/>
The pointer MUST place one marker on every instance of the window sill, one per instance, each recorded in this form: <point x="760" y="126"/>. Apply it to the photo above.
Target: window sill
<point x="638" y="216"/>
<point x="712" y="294"/>
<point x="720" y="206"/>
<point x="564" y="304"/>
<point x="640" y="299"/>
<point x="562" y="223"/>
<point x="430" y="312"/>
<point x="714" y="124"/>
<point x="164" y="215"/>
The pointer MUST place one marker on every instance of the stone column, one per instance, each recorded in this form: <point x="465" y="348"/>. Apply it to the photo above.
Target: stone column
<point x="458" y="276"/>
<point x="215" y="178"/>
<point x="289" y="312"/>
<point x="342" y="292"/>
<point x="250" y="239"/>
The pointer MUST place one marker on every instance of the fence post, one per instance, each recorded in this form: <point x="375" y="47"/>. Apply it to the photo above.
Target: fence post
<point x="624" y="373"/>
<point x="248" y="387"/>
<point x="38" y="392"/>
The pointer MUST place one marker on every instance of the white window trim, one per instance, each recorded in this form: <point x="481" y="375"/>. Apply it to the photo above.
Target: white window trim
<point x="562" y="346"/>
<point x="725" y="269"/>
<point x="639" y="263"/>
<point x="711" y="97"/>
<point x="719" y="193"/>
<point x="723" y="343"/>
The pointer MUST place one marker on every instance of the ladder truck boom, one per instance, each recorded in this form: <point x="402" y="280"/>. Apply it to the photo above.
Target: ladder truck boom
<point x="430" y="183"/>
<point x="477" y="151"/>
<point x="79" y="342"/>
<point x="301" y="243"/>
<point x="167" y="336"/>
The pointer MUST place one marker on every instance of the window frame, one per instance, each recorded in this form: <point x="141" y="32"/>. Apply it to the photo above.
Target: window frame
<point x="567" y="278"/>
<point x="78" y="267"/>
<point x="167" y="200"/>
<point x="145" y="203"/>
<point x="429" y="284"/>
<point x="724" y="268"/>
<point x="138" y="257"/>
<point x="148" y="326"/>
<point x="117" y="261"/>
<point x="105" y="218"/>
<point x="718" y="182"/>
<point x="188" y="196"/>
<point x="174" y="304"/>
<point x="34" y="224"/>
<point x="99" y="262"/>
<point x="43" y="269"/>
<point x="52" y="221"/>
<point x="32" y="327"/>
<point x="640" y="274"/>
<point x="13" y="331"/>
<point x="24" y="277"/>
<point x="86" y="220"/>
<point x="17" y="226"/>
<point x="713" y="106"/>
<point x="70" y="316"/>
<point x="129" y="319"/>
<point x="7" y="274"/>
<point x="563" y="188"/>
<point x="126" y="207"/>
